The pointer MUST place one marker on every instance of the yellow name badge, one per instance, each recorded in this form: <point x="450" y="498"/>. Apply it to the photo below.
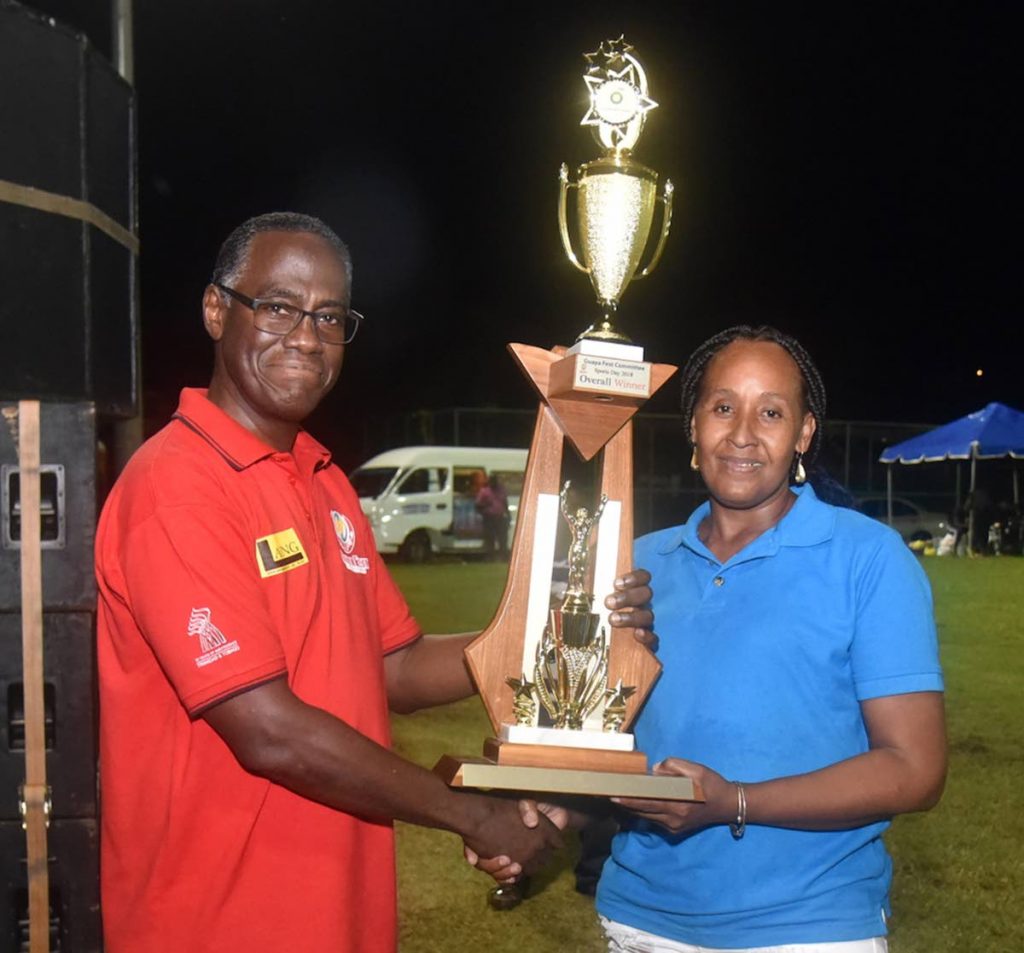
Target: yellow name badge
<point x="279" y="552"/>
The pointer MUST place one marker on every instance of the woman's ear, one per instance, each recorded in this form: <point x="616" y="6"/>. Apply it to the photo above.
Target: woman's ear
<point x="807" y="429"/>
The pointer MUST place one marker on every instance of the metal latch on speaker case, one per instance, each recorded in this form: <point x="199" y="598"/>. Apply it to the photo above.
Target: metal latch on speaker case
<point x="51" y="507"/>
<point x="34" y="793"/>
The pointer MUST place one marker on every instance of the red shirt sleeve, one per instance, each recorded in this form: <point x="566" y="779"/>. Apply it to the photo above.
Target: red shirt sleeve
<point x="398" y="628"/>
<point x="197" y="602"/>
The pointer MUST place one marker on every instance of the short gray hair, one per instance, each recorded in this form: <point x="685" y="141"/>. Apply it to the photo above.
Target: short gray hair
<point x="234" y="253"/>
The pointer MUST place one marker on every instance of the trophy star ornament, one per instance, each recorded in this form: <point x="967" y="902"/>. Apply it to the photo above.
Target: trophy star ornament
<point x="616" y="196"/>
<point x="618" y="99"/>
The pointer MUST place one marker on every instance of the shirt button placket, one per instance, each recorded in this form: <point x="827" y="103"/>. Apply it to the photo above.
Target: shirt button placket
<point x="288" y="465"/>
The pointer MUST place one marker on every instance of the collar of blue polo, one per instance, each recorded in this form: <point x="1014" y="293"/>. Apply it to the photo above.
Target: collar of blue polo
<point x="808" y="523"/>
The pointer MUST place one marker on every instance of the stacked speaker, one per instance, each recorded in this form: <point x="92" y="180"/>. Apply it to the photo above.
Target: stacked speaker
<point x="68" y="324"/>
<point x="67" y="288"/>
<point x="68" y="505"/>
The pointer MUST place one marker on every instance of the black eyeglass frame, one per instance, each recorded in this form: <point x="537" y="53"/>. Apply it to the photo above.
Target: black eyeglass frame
<point x="253" y="303"/>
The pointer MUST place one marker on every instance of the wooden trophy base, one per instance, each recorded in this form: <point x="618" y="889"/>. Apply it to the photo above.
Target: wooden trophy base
<point x="554" y="769"/>
<point x="546" y="756"/>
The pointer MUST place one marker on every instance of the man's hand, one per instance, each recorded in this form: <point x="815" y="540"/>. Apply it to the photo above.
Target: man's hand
<point x="502" y="869"/>
<point x="630" y="605"/>
<point x="505" y="846"/>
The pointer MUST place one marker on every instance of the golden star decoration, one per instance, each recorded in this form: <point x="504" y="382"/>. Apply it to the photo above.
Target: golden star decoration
<point x="616" y="98"/>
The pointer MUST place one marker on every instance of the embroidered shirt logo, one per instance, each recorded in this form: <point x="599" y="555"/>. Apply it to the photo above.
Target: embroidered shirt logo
<point x="346" y="534"/>
<point x="279" y="552"/>
<point x="212" y="642"/>
<point x="345" y="531"/>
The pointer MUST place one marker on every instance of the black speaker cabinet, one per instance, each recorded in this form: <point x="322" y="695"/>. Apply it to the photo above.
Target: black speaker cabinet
<point x="73" y="849"/>
<point x="69" y="697"/>
<point x="67" y="450"/>
<point x="68" y="302"/>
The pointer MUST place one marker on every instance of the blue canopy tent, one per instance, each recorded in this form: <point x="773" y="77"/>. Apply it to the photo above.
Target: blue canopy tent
<point x="990" y="433"/>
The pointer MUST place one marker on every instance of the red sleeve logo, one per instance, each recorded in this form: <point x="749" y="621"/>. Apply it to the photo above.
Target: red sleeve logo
<point x="213" y="644"/>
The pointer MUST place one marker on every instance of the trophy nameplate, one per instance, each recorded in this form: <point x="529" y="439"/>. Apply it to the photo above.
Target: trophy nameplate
<point x="560" y="686"/>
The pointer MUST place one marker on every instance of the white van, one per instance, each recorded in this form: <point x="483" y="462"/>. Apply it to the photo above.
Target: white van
<point x="422" y="500"/>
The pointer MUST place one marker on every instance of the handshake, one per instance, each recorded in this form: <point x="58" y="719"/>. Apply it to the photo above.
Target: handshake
<point x="512" y="839"/>
<point x="535" y="828"/>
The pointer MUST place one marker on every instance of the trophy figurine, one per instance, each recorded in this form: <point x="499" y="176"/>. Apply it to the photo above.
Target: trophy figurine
<point x="560" y="686"/>
<point x="571" y="670"/>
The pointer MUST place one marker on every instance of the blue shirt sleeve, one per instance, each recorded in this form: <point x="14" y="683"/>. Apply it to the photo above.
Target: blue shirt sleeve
<point x="895" y="649"/>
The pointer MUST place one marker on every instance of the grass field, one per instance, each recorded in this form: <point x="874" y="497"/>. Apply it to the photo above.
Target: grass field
<point x="959" y="881"/>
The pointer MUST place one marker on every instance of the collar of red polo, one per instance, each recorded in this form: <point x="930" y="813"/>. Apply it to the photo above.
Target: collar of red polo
<point x="239" y="447"/>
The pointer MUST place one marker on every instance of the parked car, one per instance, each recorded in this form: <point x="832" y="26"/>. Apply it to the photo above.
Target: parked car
<point x="421" y="500"/>
<point x="908" y="519"/>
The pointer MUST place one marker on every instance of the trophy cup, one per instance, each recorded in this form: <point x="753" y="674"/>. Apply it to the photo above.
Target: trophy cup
<point x="617" y="195"/>
<point x="559" y="685"/>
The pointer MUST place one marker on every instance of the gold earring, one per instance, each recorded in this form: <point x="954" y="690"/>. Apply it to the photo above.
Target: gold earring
<point x="694" y="462"/>
<point x="801" y="474"/>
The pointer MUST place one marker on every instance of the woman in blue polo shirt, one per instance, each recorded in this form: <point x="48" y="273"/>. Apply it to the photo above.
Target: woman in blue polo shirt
<point x="801" y="683"/>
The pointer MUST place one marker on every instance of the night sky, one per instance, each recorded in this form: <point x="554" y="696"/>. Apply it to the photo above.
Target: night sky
<point x="846" y="171"/>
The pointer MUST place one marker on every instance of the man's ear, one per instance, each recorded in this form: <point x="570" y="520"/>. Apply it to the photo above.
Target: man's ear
<point x="214" y="309"/>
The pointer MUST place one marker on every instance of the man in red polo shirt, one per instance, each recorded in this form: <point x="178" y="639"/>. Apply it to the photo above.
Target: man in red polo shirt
<point x="251" y="642"/>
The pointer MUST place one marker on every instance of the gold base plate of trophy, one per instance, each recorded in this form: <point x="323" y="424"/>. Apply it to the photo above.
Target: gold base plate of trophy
<point x="482" y="774"/>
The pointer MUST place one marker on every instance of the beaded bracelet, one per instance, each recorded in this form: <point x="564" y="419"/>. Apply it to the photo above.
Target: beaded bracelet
<point x="740" y="826"/>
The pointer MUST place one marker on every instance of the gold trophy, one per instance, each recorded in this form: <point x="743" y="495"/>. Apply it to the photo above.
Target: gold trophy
<point x="558" y="683"/>
<point x="617" y="195"/>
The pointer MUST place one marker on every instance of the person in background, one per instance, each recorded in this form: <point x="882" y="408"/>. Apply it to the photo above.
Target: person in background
<point x="492" y="505"/>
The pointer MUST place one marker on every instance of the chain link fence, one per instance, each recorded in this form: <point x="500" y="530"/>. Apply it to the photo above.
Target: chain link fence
<point x="666" y="490"/>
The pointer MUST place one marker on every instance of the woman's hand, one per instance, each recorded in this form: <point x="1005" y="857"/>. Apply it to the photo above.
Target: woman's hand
<point x="903" y="771"/>
<point x="502" y="869"/>
<point x="630" y="607"/>
<point x="680" y="817"/>
<point x="559" y="815"/>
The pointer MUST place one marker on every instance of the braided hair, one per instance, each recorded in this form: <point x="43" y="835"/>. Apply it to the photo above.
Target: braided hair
<point x="812" y="387"/>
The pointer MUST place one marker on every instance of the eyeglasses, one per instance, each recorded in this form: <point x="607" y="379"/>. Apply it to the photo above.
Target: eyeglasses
<point x="333" y="326"/>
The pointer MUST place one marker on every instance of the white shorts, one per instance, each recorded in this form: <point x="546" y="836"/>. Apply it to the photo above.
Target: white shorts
<point x="624" y="939"/>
